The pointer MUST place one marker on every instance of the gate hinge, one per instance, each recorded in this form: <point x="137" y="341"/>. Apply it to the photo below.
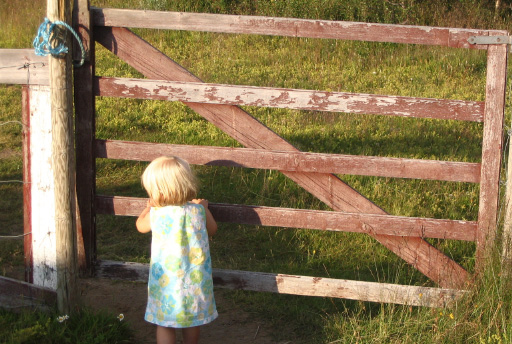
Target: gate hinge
<point x="490" y="40"/>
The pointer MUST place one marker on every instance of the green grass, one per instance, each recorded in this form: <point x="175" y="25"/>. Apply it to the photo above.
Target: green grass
<point x="11" y="187"/>
<point x="375" y="68"/>
<point x="47" y="328"/>
<point x="18" y="28"/>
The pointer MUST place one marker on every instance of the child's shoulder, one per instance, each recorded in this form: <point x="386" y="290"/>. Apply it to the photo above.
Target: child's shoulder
<point x="179" y="208"/>
<point x="168" y="209"/>
<point x="194" y="205"/>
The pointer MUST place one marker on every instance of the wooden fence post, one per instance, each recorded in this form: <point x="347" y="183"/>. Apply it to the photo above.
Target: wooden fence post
<point x="85" y="135"/>
<point x="492" y="148"/>
<point x="63" y="165"/>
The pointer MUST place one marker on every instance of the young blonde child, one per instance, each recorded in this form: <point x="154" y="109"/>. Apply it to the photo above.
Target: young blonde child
<point x="180" y="286"/>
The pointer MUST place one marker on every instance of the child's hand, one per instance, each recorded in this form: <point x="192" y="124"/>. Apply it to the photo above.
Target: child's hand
<point x="143" y="221"/>
<point x="211" y="224"/>
<point x="201" y="201"/>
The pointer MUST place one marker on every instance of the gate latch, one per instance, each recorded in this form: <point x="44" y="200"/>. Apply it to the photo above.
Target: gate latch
<point x="490" y="40"/>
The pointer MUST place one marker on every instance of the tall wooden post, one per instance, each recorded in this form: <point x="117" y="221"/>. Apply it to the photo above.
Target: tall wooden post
<point x="85" y="136"/>
<point x="492" y="146"/>
<point x="63" y="164"/>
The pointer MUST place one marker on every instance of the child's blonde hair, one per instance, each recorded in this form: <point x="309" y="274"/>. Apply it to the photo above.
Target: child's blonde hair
<point x="169" y="181"/>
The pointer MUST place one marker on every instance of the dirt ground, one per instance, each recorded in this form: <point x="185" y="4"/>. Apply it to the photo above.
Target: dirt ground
<point x="233" y="326"/>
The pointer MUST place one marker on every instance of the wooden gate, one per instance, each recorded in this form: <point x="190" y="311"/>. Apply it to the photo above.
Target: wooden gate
<point x="166" y="80"/>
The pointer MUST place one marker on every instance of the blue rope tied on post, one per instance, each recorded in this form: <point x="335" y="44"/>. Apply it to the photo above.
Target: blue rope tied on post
<point x="46" y="42"/>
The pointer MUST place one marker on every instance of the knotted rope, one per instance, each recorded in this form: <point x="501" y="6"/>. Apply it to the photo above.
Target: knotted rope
<point x="47" y="42"/>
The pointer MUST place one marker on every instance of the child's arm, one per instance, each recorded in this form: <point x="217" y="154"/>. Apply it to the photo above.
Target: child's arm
<point x="143" y="221"/>
<point x="211" y="224"/>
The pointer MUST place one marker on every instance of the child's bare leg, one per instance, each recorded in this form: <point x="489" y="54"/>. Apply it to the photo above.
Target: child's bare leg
<point x="191" y="335"/>
<point x="165" y="335"/>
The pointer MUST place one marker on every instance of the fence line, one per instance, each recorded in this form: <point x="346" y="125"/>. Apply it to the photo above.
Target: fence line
<point x="294" y="161"/>
<point x="291" y="27"/>
<point x="297" y="99"/>
<point x="218" y="104"/>
<point x="404" y="236"/>
<point x="252" y="134"/>
<point x="312" y="219"/>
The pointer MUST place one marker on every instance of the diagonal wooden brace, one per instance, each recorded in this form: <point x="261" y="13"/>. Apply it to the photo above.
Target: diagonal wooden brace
<point x="253" y="134"/>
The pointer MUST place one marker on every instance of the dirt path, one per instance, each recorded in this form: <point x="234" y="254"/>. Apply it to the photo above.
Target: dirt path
<point x="233" y="326"/>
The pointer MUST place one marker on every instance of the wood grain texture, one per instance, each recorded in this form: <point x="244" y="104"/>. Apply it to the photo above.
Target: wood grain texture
<point x="301" y="285"/>
<point x="85" y="127"/>
<point x="492" y="148"/>
<point x="292" y="27"/>
<point x="293" y="161"/>
<point x="23" y="66"/>
<point x="61" y="97"/>
<point x="311" y="219"/>
<point x="290" y="98"/>
<point x="253" y="134"/>
<point x="27" y="182"/>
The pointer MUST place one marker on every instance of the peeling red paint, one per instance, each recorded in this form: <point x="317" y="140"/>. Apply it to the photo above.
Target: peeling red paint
<point x="27" y="182"/>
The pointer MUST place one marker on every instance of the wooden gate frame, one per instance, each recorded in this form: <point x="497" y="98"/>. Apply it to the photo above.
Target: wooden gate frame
<point x="265" y="149"/>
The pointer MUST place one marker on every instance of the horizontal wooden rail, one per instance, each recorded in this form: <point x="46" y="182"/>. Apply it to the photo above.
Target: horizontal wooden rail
<point x="301" y="285"/>
<point x="223" y="23"/>
<point x="195" y="92"/>
<point x="293" y="161"/>
<point x="23" y="67"/>
<point x="312" y="219"/>
<point x="15" y="294"/>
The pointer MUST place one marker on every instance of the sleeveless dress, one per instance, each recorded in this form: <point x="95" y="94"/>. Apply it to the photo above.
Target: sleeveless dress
<point x="180" y="286"/>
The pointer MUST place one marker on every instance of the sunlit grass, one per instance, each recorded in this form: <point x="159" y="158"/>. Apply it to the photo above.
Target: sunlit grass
<point x="19" y="24"/>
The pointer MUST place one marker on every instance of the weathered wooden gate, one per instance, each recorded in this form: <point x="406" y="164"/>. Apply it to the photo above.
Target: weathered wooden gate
<point x="265" y="149"/>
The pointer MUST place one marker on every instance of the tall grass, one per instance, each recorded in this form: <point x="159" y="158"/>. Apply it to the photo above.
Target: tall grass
<point x="18" y="25"/>
<point x="377" y="68"/>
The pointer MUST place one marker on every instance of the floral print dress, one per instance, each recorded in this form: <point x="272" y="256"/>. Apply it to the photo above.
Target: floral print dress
<point x="180" y="287"/>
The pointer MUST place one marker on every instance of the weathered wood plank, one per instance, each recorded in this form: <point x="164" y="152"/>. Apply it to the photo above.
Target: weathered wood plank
<point x="23" y="66"/>
<point x="258" y="25"/>
<point x="492" y="148"/>
<point x="293" y="161"/>
<point x="302" y="285"/>
<point x="42" y="189"/>
<point x="27" y="182"/>
<point x="312" y="219"/>
<point x="253" y="134"/>
<point x="290" y="98"/>
<point x="16" y="294"/>
<point x="129" y="271"/>
<point x="85" y="127"/>
<point x="336" y="288"/>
